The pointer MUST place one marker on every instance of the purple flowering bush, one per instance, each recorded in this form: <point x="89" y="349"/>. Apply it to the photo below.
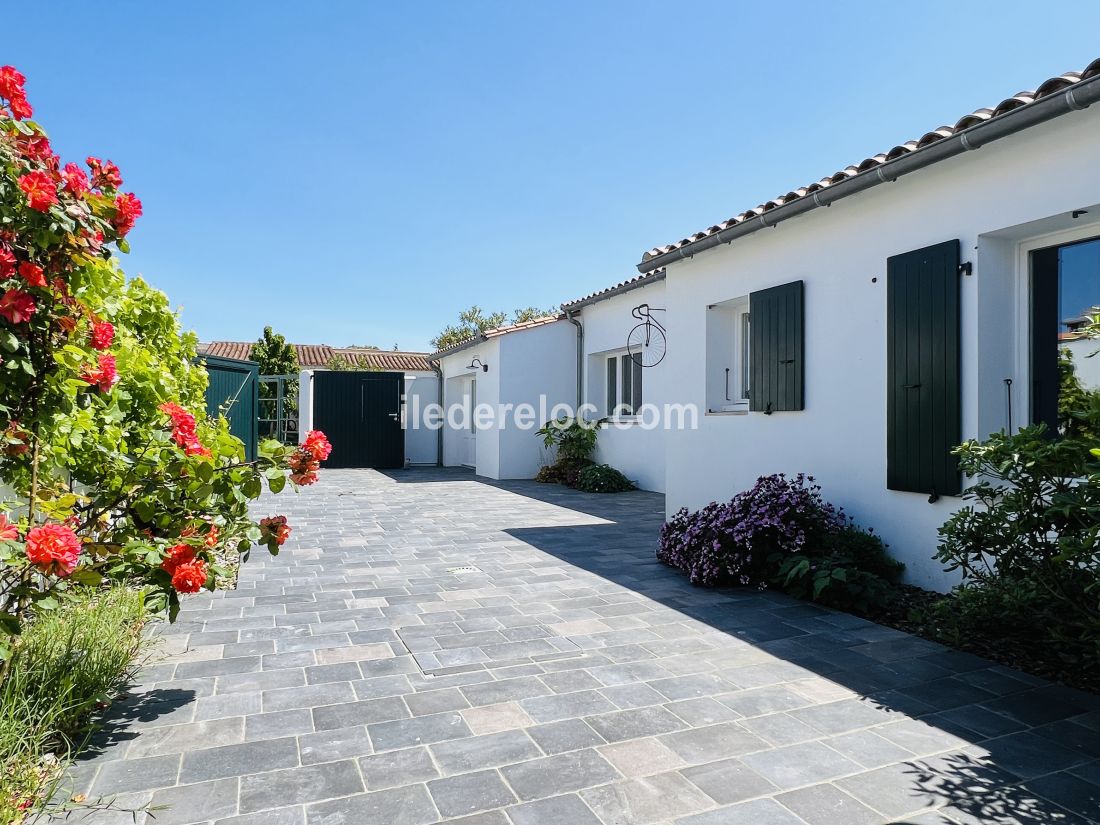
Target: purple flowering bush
<point x="781" y="532"/>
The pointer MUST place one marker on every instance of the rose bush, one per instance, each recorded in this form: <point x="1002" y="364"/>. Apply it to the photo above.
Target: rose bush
<point x="111" y="467"/>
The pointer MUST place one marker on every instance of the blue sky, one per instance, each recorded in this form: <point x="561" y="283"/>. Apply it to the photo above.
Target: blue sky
<point x="358" y="172"/>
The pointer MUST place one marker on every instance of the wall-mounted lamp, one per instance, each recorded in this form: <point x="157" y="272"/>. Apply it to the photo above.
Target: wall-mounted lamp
<point x="477" y="362"/>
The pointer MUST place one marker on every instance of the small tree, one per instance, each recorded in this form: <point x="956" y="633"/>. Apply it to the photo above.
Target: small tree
<point x="274" y="355"/>
<point x="473" y="321"/>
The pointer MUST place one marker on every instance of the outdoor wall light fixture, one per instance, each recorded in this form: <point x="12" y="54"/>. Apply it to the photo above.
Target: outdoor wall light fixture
<point x="477" y="362"/>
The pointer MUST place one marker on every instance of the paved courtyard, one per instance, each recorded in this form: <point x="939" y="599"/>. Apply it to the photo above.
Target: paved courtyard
<point x="433" y="648"/>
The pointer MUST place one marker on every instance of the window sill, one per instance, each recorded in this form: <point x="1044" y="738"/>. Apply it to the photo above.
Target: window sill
<point x="623" y="420"/>
<point x="727" y="412"/>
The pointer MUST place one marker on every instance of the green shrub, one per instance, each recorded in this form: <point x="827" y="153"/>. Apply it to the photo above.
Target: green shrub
<point x="849" y="570"/>
<point x="1031" y="539"/>
<point x="574" y="438"/>
<point x="571" y="469"/>
<point x="549" y="474"/>
<point x="66" y="662"/>
<point x="602" y="478"/>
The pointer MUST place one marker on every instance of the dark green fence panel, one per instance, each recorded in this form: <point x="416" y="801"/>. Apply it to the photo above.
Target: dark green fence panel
<point x="360" y="412"/>
<point x="233" y="392"/>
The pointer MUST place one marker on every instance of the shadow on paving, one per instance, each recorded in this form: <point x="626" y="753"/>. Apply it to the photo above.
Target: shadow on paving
<point x="1010" y="739"/>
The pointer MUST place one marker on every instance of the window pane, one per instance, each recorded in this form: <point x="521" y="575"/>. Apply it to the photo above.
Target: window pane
<point x="1078" y="301"/>
<point x="636" y="400"/>
<point x="612" y="384"/>
<point x="626" y="403"/>
<point x="1065" y="295"/>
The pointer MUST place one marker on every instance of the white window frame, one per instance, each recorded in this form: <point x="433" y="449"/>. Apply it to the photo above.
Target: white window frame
<point x="729" y="351"/>
<point x="1024" y="248"/>
<point x="613" y="412"/>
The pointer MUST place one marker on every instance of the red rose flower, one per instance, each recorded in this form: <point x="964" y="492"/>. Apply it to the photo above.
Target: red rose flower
<point x="39" y="189"/>
<point x="276" y="528"/>
<point x="176" y="555"/>
<point x="189" y="577"/>
<point x="303" y="467"/>
<point x="76" y="181"/>
<point x="17" y="306"/>
<point x="317" y="445"/>
<point x="7" y="262"/>
<point x="37" y="147"/>
<point x="103" y="334"/>
<point x="104" y="175"/>
<point x="11" y="82"/>
<point x="104" y="375"/>
<point x="21" y="108"/>
<point x="127" y="211"/>
<point x="8" y="531"/>
<point x="183" y="429"/>
<point x="32" y="274"/>
<point x="11" y="88"/>
<point x="53" y="548"/>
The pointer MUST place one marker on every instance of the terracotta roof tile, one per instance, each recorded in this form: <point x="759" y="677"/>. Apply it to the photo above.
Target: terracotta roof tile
<point x="1048" y="87"/>
<point x="319" y="355"/>
<point x="636" y="282"/>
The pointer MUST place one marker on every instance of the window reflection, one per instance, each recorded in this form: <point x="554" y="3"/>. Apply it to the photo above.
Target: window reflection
<point x="1078" y="306"/>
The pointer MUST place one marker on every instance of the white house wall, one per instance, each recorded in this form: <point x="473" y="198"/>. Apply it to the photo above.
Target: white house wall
<point x="537" y="367"/>
<point x="637" y="452"/>
<point x="456" y="380"/>
<point x="994" y="199"/>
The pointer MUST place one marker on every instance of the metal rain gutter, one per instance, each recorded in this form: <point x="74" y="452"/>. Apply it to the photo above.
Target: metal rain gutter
<point x="1073" y="98"/>
<point x="580" y="357"/>
<point x="438" y="370"/>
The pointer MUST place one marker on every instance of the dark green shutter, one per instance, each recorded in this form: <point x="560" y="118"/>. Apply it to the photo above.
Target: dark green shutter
<point x="923" y="411"/>
<point x="776" y="349"/>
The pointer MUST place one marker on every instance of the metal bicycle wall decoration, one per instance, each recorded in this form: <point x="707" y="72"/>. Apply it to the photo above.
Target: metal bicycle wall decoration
<point x="646" y="343"/>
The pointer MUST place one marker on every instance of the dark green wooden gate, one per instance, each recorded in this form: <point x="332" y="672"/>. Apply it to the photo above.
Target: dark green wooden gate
<point x="360" y="412"/>
<point x="233" y="392"/>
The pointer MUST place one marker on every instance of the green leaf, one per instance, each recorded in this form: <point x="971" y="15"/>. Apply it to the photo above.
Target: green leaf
<point x="145" y="510"/>
<point x="85" y="575"/>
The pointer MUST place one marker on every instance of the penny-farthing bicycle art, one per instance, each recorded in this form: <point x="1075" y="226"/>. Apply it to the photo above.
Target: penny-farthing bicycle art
<point x="646" y="343"/>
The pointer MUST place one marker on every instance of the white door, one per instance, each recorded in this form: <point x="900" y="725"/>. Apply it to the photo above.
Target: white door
<point x="468" y="439"/>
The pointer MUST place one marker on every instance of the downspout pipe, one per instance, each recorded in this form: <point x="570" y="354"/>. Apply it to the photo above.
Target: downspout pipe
<point x="1073" y="98"/>
<point x="438" y="370"/>
<point x="571" y="317"/>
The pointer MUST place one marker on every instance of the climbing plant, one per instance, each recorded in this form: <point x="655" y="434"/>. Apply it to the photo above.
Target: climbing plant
<point x="109" y="469"/>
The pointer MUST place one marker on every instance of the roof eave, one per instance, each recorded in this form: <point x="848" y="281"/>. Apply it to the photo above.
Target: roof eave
<point x="651" y="277"/>
<point x="1078" y="96"/>
<point x="473" y="342"/>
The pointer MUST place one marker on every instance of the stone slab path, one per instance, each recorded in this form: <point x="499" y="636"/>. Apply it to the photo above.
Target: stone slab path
<point x="433" y="648"/>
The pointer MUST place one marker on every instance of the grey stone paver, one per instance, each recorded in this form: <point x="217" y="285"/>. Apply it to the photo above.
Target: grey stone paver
<point x="568" y="679"/>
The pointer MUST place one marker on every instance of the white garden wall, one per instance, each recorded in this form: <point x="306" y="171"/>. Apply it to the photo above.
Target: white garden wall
<point x="998" y="200"/>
